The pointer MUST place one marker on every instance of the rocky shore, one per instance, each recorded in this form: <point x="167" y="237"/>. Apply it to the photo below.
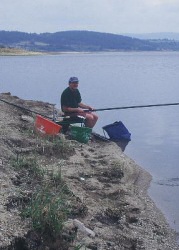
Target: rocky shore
<point x="110" y="207"/>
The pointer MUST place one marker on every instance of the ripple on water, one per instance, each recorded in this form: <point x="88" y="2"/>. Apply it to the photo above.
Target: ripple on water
<point x="172" y="182"/>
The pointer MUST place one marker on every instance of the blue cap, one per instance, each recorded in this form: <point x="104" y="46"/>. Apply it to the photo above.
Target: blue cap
<point x="73" y="79"/>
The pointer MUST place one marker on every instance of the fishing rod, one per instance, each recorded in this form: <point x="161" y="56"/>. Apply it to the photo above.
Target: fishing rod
<point x="54" y="118"/>
<point x="133" y="107"/>
<point x="95" y="110"/>
<point x="26" y="109"/>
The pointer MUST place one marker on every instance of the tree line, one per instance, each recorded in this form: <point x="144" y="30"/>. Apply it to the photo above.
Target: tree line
<point x="82" y="41"/>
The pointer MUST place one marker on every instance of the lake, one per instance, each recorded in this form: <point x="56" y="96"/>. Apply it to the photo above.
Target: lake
<point x="113" y="80"/>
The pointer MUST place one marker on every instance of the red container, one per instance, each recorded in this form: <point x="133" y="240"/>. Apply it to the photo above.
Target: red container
<point x="46" y="127"/>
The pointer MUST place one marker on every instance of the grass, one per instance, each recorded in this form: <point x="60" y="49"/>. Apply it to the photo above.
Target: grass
<point x="29" y="164"/>
<point x="48" y="211"/>
<point x="56" y="176"/>
<point x="49" y="205"/>
<point x="117" y="169"/>
<point x="45" y="142"/>
<point x="48" y="208"/>
<point x="62" y="146"/>
<point x="53" y="145"/>
<point x="79" y="247"/>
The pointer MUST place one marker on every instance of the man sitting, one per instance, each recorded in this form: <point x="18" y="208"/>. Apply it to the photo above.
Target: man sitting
<point x="71" y="104"/>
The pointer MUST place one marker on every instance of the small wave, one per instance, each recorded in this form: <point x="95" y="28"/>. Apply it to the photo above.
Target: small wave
<point x="173" y="182"/>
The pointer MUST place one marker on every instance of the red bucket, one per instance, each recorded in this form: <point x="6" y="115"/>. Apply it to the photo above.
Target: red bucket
<point x="46" y="127"/>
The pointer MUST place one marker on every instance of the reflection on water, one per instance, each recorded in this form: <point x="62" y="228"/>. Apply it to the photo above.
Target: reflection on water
<point x="122" y="144"/>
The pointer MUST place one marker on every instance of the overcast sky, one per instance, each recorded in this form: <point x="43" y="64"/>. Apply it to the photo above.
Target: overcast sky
<point x="112" y="16"/>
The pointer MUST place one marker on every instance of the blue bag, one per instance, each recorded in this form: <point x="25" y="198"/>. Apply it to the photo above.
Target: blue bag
<point x="117" y="131"/>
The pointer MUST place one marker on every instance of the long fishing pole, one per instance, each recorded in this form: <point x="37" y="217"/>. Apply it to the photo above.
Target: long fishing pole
<point x="133" y="107"/>
<point x="26" y="109"/>
<point x="95" y="110"/>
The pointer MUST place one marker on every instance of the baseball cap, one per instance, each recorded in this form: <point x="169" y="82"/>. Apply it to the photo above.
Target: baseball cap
<point x="73" y="79"/>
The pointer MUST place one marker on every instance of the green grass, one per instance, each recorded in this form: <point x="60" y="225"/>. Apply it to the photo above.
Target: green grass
<point x="79" y="247"/>
<point x="29" y="164"/>
<point x="48" y="211"/>
<point x="49" y="205"/>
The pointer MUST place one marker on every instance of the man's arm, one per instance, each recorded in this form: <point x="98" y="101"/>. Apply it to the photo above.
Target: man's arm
<point x="84" y="106"/>
<point x="72" y="110"/>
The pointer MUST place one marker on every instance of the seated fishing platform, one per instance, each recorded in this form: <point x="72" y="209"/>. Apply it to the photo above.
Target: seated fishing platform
<point x="68" y="120"/>
<point x="80" y="133"/>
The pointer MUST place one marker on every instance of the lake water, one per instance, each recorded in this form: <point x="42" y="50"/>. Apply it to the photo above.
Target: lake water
<point x="114" y="80"/>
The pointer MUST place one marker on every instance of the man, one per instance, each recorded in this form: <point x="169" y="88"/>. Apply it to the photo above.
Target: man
<point x="71" y="103"/>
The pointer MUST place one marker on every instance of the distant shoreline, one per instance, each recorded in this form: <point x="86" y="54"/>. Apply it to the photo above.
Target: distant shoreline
<point x="21" y="52"/>
<point x="18" y="52"/>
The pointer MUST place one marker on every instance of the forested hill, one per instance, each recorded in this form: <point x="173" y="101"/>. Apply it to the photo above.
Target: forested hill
<point x="82" y="41"/>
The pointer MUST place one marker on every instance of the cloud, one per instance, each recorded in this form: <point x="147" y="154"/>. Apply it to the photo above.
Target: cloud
<point x="161" y="2"/>
<point x="114" y="16"/>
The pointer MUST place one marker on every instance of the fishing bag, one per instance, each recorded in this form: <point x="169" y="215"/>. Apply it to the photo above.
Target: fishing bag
<point x="117" y="131"/>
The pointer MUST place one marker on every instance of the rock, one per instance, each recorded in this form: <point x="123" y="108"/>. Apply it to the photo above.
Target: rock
<point x="83" y="229"/>
<point x="27" y="118"/>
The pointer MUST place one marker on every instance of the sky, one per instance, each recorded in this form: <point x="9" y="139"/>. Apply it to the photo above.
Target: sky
<point x="110" y="16"/>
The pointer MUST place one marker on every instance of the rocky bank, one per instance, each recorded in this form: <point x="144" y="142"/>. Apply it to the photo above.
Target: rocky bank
<point x="110" y="207"/>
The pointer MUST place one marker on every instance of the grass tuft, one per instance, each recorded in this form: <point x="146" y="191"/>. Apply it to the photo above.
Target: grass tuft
<point x="48" y="211"/>
<point x="29" y="164"/>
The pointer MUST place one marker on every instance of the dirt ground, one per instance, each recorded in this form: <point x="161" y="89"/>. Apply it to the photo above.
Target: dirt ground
<point x="110" y="189"/>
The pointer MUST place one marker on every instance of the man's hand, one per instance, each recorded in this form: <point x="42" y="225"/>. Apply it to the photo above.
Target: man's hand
<point x="79" y="110"/>
<point x="90" y="108"/>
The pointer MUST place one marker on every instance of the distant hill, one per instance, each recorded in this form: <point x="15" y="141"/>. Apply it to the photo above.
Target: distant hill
<point x="81" y="41"/>
<point x="159" y="35"/>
